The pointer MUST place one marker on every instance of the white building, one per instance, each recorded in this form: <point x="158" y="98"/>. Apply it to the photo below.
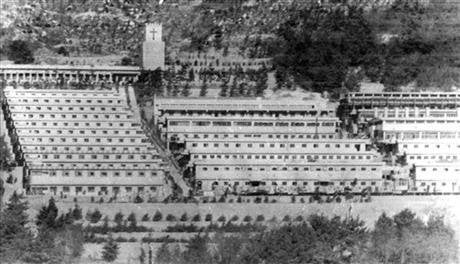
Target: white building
<point x="283" y="145"/>
<point x="84" y="142"/>
<point x="424" y="127"/>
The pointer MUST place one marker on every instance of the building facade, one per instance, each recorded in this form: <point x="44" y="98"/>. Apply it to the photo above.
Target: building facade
<point x="283" y="145"/>
<point x="84" y="142"/>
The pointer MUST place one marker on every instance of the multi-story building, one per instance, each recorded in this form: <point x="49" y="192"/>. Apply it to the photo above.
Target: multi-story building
<point x="423" y="128"/>
<point x="283" y="145"/>
<point x="84" y="142"/>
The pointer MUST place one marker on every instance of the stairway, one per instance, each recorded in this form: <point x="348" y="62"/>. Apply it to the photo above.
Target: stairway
<point x="175" y="171"/>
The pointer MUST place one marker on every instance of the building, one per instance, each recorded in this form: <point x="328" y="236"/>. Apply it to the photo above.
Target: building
<point x="36" y="73"/>
<point x="283" y="145"/>
<point x="83" y="142"/>
<point x="153" y="48"/>
<point x="423" y="128"/>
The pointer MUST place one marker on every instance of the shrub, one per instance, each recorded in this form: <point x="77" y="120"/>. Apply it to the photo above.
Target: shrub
<point x="302" y="200"/>
<point x="75" y="200"/>
<point x="299" y="218"/>
<point x="274" y="200"/>
<point x="260" y="218"/>
<point x="257" y="200"/>
<point x="208" y="218"/>
<point x="222" y="199"/>
<point x="170" y="218"/>
<point x="95" y="216"/>
<point x="92" y="199"/>
<point x="121" y="239"/>
<point x="131" y="217"/>
<point x="247" y="218"/>
<point x="273" y="219"/>
<point x="266" y="199"/>
<point x="230" y="200"/>
<point x="338" y="199"/>
<point x="101" y="200"/>
<point x="293" y="199"/>
<point x="145" y="218"/>
<point x="118" y="219"/>
<point x="286" y="218"/>
<point x="157" y="216"/>
<point x="184" y="217"/>
<point x="77" y="213"/>
<point x="213" y="200"/>
<point x="221" y="219"/>
<point x="196" y="218"/>
<point x="234" y="218"/>
<point x="133" y="239"/>
<point x="238" y="200"/>
<point x="138" y="199"/>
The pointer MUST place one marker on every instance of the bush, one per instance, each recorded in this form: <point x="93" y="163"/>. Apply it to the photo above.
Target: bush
<point x="208" y="218"/>
<point x="230" y="200"/>
<point x="145" y="218"/>
<point x="131" y="217"/>
<point x="299" y="218"/>
<point x="92" y="199"/>
<point x="222" y="199"/>
<point x="293" y="199"/>
<point x="274" y="200"/>
<point x="221" y="219"/>
<point x="118" y="219"/>
<point x="213" y="200"/>
<point x="196" y="218"/>
<point x="266" y="199"/>
<point x="247" y="218"/>
<point x="138" y="199"/>
<point x="234" y="218"/>
<point x="170" y="218"/>
<point x="257" y="200"/>
<point x="101" y="200"/>
<point x="260" y="218"/>
<point x="286" y="218"/>
<point x="121" y="239"/>
<point x="95" y="216"/>
<point x="338" y="199"/>
<point x="157" y="216"/>
<point x="238" y="200"/>
<point x="302" y="200"/>
<point x="132" y="240"/>
<point x="184" y="217"/>
<point x="273" y="219"/>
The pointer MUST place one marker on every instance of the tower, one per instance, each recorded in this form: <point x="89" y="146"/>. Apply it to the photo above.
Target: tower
<point x="153" y="48"/>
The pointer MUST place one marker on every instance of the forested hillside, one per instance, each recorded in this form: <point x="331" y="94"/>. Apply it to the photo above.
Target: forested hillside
<point x="317" y="46"/>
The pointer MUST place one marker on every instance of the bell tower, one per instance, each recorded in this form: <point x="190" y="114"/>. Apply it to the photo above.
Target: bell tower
<point x="153" y="48"/>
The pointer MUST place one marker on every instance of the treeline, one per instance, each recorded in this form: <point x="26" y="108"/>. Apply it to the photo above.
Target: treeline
<point x="402" y="239"/>
<point x="57" y="238"/>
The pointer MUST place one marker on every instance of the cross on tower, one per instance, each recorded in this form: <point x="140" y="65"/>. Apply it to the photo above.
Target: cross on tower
<point x="153" y="33"/>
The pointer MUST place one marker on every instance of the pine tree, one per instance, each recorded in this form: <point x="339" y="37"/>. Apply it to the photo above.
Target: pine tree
<point x="110" y="250"/>
<point x="234" y="87"/>
<point x="204" y="88"/>
<point x="186" y="90"/>
<point x="224" y="88"/>
<point x="163" y="255"/>
<point x="47" y="215"/>
<point x="77" y="212"/>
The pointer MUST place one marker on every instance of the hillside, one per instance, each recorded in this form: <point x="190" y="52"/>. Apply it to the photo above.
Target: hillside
<point x="412" y="44"/>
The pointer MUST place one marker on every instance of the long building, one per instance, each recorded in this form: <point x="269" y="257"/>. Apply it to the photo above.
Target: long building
<point x="281" y="145"/>
<point x="424" y="128"/>
<point x="83" y="142"/>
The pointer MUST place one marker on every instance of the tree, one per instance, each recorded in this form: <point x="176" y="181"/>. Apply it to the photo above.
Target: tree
<point x="163" y="255"/>
<point x="110" y="250"/>
<point x="126" y="61"/>
<point x="204" y="88"/>
<point x="186" y="90"/>
<point x="47" y="215"/>
<point x="118" y="218"/>
<point x="157" y="216"/>
<point x="20" y="52"/>
<point x="224" y="88"/>
<point x="197" y="250"/>
<point x="77" y="213"/>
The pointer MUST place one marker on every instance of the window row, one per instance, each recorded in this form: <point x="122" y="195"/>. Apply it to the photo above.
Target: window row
<point x="92" y="156"/>
<point x="98" y="166"/>
<point x="357" y="147"/>
<point x="72" y="116"/>
<point x="279" y="136"/>
<point x="84" y="140"/>
<point x="77" y="124"/>
<point x="322" y="168"/>
<point x="83" y="149"/>
<point x="104" y="173"/>
<point x="299" y="183"/>
<point x="440" y="157"/>
<point x="81" y="132"/>
<point x="284" y="157"/>
<point x="250" y="123"/>
<point x="69" y="101"/>
<point x="60" y="108"/>
<point x="90" y="189"/>
<point x="440" y="169"/>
